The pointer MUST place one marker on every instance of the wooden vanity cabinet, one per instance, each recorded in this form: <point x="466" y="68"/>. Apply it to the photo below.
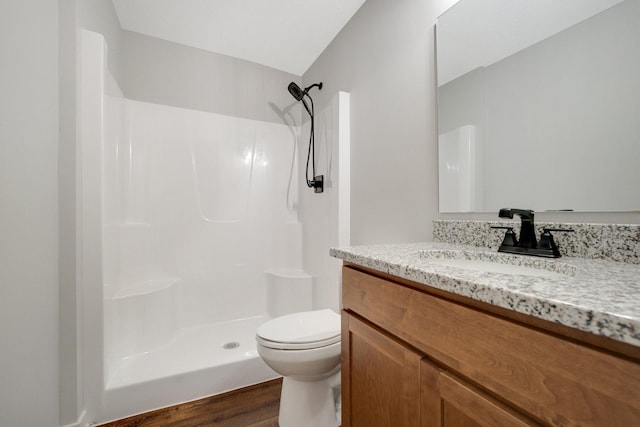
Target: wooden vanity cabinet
<point x="384" y="378"/>
<point x="448" y="401"/>
<point x="415" y="356"/>
<point x="390" y="384"/>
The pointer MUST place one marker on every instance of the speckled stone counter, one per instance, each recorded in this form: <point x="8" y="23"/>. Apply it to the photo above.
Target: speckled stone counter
<point x="597" y="296"/>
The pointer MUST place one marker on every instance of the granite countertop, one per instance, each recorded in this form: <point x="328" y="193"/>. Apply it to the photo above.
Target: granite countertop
<point x="596" y="296"/>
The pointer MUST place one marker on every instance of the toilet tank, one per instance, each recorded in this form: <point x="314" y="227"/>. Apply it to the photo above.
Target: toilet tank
<point x="288" y="291"/>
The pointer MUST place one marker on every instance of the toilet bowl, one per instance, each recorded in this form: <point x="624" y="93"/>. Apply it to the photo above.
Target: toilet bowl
<point x="305" y="349"/>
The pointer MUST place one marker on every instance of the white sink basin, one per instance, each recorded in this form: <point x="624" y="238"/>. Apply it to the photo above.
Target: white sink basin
<point x="494" y="267"/>
<point x="499" y="263"/>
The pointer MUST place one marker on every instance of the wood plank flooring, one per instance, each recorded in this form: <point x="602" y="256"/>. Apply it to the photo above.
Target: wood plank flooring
<point x="253" y="406"/>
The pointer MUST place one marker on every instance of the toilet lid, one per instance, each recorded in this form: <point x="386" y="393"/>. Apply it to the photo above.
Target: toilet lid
<point x="306" y="330"/>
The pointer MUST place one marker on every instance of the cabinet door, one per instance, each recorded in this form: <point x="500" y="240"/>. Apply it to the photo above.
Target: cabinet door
<point x="380" y="378"/>
<point x="449" y="402"/>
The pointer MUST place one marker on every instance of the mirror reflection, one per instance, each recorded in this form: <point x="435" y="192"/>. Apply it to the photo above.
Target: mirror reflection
<point x="539" y="105"/>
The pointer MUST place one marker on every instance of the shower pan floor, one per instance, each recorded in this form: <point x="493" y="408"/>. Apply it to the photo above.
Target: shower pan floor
<point x="193" y="349"/>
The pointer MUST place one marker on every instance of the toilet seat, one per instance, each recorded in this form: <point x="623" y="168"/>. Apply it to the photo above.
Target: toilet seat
<point x="300" y="331"/>
<point x="296" y="346"/>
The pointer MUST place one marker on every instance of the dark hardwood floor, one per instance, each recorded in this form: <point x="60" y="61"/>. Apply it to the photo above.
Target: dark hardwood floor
<point x="253" y="406"/>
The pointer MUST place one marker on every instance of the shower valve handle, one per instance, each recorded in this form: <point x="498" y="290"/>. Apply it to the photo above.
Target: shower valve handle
<point x="318" y="184"/>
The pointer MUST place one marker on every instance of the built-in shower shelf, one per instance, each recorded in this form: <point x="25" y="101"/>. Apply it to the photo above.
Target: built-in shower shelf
<point x="288" y="291"/>
<point x="219" y="221"/>
<point x="141" y="317"/>
<point x="145" y="287"/>
<point x="126" y="224"/>
<point x="289" y="273"/>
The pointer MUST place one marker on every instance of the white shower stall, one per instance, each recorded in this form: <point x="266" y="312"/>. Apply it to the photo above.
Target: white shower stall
<point x="196" y="228"/>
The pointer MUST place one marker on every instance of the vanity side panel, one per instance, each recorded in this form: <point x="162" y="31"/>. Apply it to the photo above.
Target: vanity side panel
<point x="345" y="372"/>
<point x="557" y="381"/>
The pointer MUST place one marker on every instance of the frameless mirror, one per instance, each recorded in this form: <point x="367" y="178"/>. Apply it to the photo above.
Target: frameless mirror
<point x="539" y="105"/>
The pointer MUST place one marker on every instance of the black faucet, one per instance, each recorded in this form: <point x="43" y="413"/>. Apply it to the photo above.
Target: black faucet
<point x="527" y="232"/>
<point x="527" y="244"/>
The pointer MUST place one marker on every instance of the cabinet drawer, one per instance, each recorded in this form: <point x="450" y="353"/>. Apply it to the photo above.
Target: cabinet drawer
<point x="555" y="380"/>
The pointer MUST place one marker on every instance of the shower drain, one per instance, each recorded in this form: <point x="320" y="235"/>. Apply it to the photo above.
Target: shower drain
<point x="231" y="345"/>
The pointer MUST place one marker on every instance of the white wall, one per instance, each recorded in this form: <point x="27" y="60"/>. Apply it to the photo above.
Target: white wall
<point x="97" y="15"/>
<point x="168" y="73"/>
<point x="385" y="58"/>
<point x="69" y="351"/>
<point x="28" y="213"/>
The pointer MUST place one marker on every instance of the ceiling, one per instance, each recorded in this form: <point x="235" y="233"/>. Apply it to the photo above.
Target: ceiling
<point x="288" y="35"/>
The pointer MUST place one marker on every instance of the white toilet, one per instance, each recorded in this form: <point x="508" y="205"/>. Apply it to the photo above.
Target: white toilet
<point x="305" y="349"/>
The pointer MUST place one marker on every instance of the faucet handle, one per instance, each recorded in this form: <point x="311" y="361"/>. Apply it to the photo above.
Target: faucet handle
<point x="546" y="238"/>
<point x="509" y="236"/>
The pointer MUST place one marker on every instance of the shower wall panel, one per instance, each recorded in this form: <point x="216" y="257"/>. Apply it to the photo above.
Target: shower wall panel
<point x="199" y="202"/>
<point x="326" y="216"/>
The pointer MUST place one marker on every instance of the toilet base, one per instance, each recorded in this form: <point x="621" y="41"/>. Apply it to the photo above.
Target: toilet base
<point x="310" y="403"/>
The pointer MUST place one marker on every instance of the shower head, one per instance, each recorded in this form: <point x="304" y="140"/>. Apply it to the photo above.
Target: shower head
<point x="317" y="183"/>
<point x="295" y="91"/>
<point x="298" y="93"/>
